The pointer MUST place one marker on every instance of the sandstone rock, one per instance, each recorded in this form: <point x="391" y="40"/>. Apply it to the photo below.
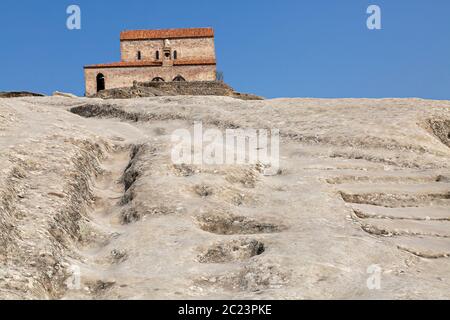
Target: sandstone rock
<point x="64" y="94"/>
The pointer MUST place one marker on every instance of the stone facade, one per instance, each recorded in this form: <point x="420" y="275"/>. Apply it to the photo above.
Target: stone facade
<point x="125" y="76"/>
<point x="157" y="55"/>
<point x="185" y="48"/>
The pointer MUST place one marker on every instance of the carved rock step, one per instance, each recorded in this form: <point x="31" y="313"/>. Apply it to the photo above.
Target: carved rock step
<point x="425" y="247"/>
<point x="386" y="227"/>
<point x="420" y="189"/>
<point x="420" y="213"/>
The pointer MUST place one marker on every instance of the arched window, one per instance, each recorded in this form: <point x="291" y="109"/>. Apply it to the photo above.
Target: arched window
<point x="139" y="55"/>
<point x="179" y="79"/>
<point x="157" y="55"/>
<point x="175" y="55"/>
<point x="100" y="82"/>
<point x="158" y="79"/>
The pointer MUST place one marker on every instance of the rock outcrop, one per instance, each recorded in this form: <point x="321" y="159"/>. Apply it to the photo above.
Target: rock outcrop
<point x="157" y="89"/>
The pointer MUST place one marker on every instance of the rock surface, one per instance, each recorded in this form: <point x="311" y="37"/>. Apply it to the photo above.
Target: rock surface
<point x="64" y="94"/>
<point x="18" y="94"/>
<point x="91" y="205"/>
<point x="159" y="89"/>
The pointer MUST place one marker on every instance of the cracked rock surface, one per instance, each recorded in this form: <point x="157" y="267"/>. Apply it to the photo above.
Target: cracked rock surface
<point x="92" y="207"/>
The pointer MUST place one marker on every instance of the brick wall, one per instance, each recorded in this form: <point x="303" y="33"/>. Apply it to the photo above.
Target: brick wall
<point x="186" y="48"/>
<point x="125" y="77"/>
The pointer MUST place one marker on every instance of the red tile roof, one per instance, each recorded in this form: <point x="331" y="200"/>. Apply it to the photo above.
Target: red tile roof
<point x="125" y="64"/>
<point x="132" y="64"/>
<point x="167" y="34"/>
<point x="194" y="62"/>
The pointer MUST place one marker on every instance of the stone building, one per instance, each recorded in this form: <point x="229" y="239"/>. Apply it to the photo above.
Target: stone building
<point x="157" y="55"/>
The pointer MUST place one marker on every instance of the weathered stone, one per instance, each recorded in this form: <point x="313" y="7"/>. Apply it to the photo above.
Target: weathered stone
<point x="194" y="88"/>
<point x="64" y="94"/>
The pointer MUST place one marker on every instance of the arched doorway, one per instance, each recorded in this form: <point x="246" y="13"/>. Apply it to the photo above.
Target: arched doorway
<point x="100" y="82"/>
<point x="179" y="79"/>
<point x="158" y="79"/>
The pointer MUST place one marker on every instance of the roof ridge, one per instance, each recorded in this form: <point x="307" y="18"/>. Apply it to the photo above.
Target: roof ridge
<point x="169" y="29"/>
<point x="167" y="33"/>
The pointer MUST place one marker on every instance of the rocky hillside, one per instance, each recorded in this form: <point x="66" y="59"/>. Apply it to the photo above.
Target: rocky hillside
<point x="159" y="89"/>
<point x="91" y="205"/>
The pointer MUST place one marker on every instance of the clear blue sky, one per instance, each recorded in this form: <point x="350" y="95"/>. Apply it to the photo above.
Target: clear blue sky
<point x="275" y="48"/>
